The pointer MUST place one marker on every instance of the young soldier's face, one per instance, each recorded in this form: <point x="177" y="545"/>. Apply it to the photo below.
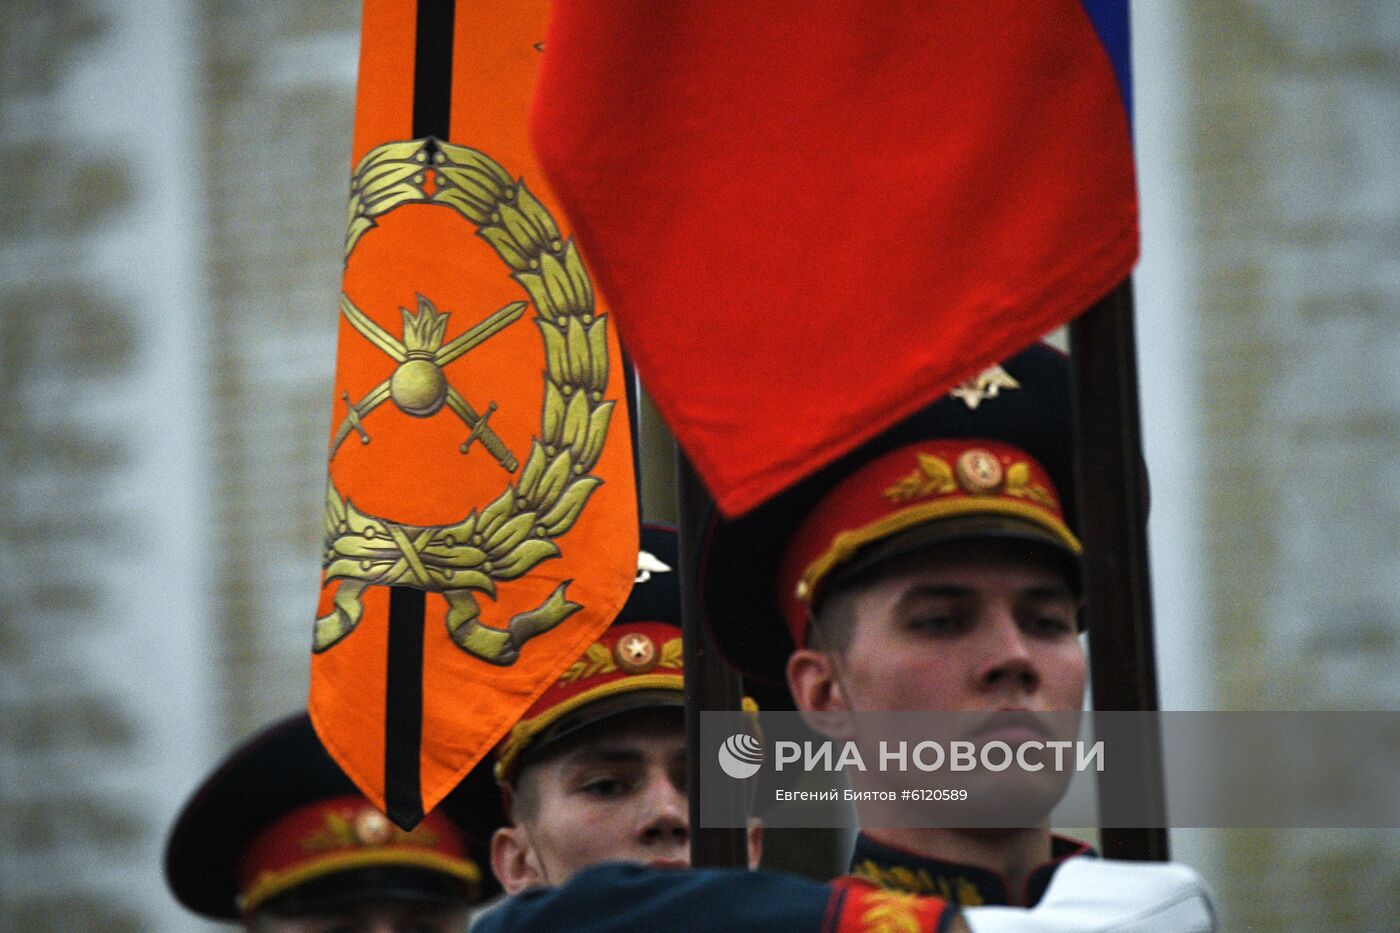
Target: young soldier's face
<point x="615" y="793"/>
<point x="979" y="627"/>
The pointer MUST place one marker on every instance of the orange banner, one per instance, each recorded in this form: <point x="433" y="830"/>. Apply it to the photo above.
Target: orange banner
<point x="481" y="526"/>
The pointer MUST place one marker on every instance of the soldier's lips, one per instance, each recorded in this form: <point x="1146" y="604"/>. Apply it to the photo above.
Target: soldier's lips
<point x="1014" y="727"/>
<point x="671" y="863"/>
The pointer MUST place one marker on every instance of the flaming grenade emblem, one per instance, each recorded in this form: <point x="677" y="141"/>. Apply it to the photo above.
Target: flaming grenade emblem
<point x="508" y="537"/>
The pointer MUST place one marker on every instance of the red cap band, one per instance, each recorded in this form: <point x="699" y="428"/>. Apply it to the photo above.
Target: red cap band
<point x="628" y="656"/>
<point x="907" y="488"/>
<point x="342" y="833"/>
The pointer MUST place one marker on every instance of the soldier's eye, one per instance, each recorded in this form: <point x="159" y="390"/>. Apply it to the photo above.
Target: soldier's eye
<point x="1051" y="625"/>
<point x="605" y="787"/>
<point x="934" y="624"/>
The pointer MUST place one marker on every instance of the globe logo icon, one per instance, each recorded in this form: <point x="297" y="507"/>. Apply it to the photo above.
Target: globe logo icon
<point x="740" y="756"/>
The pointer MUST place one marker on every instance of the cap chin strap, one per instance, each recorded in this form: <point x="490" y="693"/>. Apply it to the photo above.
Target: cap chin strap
<point x="810" y="611"/>
<point x="531" y="849"/>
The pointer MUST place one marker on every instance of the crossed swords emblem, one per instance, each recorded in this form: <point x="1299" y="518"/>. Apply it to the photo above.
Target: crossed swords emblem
<point x="418" y="387"/>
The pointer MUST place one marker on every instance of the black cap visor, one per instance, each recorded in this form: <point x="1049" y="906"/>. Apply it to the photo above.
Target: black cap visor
<point x="958" y="530"/>
<point x="591" y="714"/>
<point x="352" y="886"/>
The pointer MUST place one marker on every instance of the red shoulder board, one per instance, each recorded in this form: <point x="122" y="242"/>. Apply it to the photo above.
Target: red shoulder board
<point x="860" y="906"/>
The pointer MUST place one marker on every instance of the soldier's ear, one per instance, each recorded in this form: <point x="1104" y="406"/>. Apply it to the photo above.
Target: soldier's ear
<point x="817" y="691"/>
<point x="811" y="677"/>
<point x="755" y="840"/>
<point x="514" y="861"/>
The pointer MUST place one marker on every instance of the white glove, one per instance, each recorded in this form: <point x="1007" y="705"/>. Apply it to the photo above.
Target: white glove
<point x="1089" y="895"/>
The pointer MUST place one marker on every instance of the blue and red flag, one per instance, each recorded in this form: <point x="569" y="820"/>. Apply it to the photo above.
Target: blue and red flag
<point x="812" y="219"/>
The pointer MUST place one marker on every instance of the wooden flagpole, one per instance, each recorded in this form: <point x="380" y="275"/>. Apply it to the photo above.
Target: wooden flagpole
<point x="710" y="684"/>
<point x="1111" y="481"/>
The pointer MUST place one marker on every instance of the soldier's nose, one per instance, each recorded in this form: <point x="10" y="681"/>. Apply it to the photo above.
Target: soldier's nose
<point x="1007" y="663"/>
<point x="668" y="814"/>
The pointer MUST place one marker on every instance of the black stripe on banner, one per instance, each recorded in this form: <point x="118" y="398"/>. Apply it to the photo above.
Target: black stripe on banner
<point x="403" y="702"/>
<point x="403" y="707"/>
<point x="432" y="68"/>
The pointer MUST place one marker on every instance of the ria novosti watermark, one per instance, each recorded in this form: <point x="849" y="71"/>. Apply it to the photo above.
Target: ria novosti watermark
<point x="1014" y="768"/>
<point x="741" y="756"/>
<point x="929" y="756"/>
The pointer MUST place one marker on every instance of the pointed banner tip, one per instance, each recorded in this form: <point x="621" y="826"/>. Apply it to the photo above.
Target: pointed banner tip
<point x="405" y="815"/>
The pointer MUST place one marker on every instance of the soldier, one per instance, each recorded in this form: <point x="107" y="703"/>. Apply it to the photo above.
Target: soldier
<point x="935" y="568"/>
<point x="595" y="770"/>
<point x="569" y="819"/>
<point x="278" y="838"/>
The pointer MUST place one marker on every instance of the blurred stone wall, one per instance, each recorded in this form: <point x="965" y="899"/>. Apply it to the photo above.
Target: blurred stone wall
<point x="173" y="178"/>
<point x="280" y="84"/>
<point x="1295" y="121"/>
<point x="110" y="703"/>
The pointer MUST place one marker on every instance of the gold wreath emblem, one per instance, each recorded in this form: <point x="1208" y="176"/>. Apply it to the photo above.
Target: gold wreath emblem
<point x="516" y="531"/>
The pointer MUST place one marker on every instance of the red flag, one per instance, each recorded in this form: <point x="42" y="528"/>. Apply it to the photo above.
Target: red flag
<point x="812" y="219"/>
<point x="481" y="525"/>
